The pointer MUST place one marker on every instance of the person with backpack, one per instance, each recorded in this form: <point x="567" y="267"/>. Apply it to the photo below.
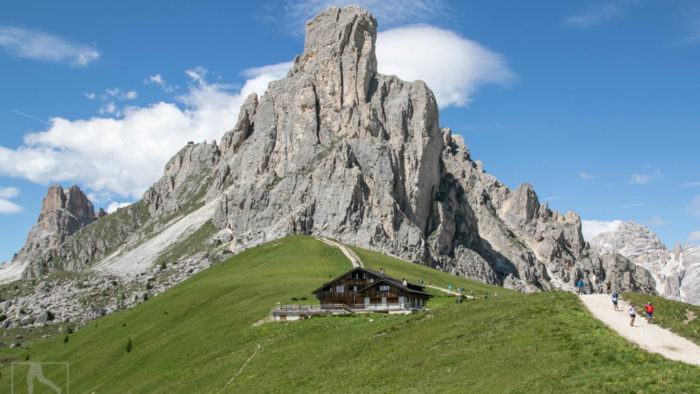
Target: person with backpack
<point x="650" y="311"/>
<point x="579" y="284"/>
<point x="633" y="314"/>
<point x="614" y="299"/>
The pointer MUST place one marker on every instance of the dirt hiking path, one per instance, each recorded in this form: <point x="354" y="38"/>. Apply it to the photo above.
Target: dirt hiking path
<point x="349" y="253"/>
<point x="649" y="337"/>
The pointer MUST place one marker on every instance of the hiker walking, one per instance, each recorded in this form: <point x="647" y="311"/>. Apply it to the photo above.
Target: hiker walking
<point x="614" y="300"/>
<point x="650" y="311"/>
<point x="579" y="284"/>
<point x="607" y="285"/>
<point x="633" y="314"/>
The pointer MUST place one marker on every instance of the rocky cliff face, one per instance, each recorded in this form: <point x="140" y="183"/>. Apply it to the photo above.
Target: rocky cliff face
<point x="63" y="212"/>
<point x="676" y="271"/>
<point x="339" y="150"/>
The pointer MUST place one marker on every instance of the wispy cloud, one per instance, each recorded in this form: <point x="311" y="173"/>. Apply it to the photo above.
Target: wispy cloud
<point x="90" y="95"/>
<point x="552" y="198"/>
<point x="646" y="176"/>
<point x="119" y="95"/>
<point x="690" y="184"/>
<point x="454" y="67"/>
<point x="653" y="222"/>
<point x="31" y="117"/>
<point x="586" y="176"/>
<point x="690" y="28"/>
<point x="389" y="13"/>
<point x="694" y="207"/>
<point x="591" y="228"/>
<point x="160" y="81"/>
<point x="593" y="16"/>
<point x="123" y="155"/>
<point x="9" y="192"/>
<point x="694" y="236"/>
<point x="7" y="206"/>
<point x="33" y="44"/>
<point x="640" y="179"/>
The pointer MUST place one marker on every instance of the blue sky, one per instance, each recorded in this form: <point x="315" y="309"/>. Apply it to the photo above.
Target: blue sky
<point x="596" y="103"/>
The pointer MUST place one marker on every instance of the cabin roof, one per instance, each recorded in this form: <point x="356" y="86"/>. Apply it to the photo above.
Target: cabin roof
<point x="410" y="288"/>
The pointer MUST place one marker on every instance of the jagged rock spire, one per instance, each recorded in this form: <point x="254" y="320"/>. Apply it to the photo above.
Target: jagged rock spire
<point x="339" y="51"/>
<point x="63" y="212"/>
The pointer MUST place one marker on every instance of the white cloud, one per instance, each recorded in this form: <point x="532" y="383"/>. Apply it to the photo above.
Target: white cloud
<point x="690" y="184"/>
<point x="113" y="206"/>
<point x="124" y="156"/>
<point x="388" y="12"/>
<point x="694" y="207"/>
<point x="157" y="79"/>
<point x="260" y="77"/>
<point x="694" y="236"/>
<point x="108" y="108"/>
<point x="37" y="45"/>
<point x="90" y="95"/>
<point x="591" y="228"/>
<point x="646" y="176"/>
<point x="640" y="179"/>
<point x="7" y="206"/>
<point x="9" y="192"/>
<point x="655" y="221"/>
<point x="452" y="66"/>
<point x="593" y="16"/>
<point x="584" y="175"/>
<point x="119" y="95"/>
<point x="160" y="81"/>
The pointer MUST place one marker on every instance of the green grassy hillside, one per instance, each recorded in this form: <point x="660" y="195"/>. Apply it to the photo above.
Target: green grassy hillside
<point x="198" y="337"/>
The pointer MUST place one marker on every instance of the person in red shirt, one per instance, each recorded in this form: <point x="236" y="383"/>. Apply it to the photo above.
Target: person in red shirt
<point x="650" y="311"/>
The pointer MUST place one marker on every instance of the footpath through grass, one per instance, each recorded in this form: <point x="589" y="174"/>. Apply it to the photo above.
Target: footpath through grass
<point x="197" y="336"/>
<point x="679" y="317"/>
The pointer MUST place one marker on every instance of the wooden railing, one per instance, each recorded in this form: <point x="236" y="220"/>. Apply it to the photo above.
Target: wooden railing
<point x="348" y="308"/>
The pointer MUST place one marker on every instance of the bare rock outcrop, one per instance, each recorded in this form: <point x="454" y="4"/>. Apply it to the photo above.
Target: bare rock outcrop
<point x="676" y="272"/>
<point x="63" y="212"/>
<point x="338" y="150"/>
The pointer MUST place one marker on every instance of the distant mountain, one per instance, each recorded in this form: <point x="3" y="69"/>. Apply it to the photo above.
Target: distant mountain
<point x="676" y="271"/>
<point x="338" y="150"/>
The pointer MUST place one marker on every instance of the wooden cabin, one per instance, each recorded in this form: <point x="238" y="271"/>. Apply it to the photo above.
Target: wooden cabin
<point x="363" y="289"/>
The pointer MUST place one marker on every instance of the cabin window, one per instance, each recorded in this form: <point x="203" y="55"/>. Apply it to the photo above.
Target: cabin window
<point x="358" y="275"/>
<point x="353" y="288"/>
<point x="384" y="288"/>
<point x="339" y="289"/>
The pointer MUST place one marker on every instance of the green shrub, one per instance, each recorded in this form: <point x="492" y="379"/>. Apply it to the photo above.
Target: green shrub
<point x="129" y="346"/>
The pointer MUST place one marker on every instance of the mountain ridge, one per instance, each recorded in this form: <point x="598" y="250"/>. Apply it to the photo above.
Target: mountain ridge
<point x="676" y="271"/>
<point x="336" y="149"/>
